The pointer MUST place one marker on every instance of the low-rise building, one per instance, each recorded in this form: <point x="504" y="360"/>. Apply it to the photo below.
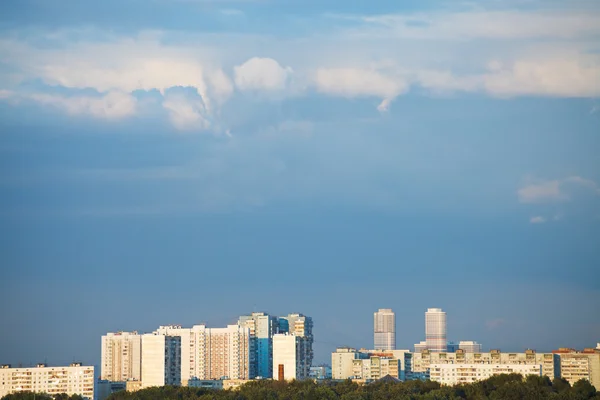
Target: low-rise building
<point x="453" y="374"/>
<point x="341" y="362"/>
<point x="375" y="368"/>
<point x="74" y="379"/>
<point x="577" y="365"/>
<point x="105" y="388"/>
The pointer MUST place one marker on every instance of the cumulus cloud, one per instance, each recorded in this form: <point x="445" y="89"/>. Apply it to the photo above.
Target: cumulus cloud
<point x="113" y="105"/>
<point x="544" y="191"/>
<point x="537" y="220"/>
<point x="262" y="74"/>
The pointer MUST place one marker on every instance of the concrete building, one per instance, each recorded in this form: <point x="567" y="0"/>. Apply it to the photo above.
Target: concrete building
<point x="105" y="388"/>
<point x="435" y="330"/>
<point x="576" y="365"/>
<point x="215" y="353"/>
<point x="469" y="346"/>
<point x="161" y="359"/>
<point x="74" y="379"/>
<point x="262" y="328"/>
<point x="121" y="356"/>
<point x="384" y="329"/>
<point x="422" y="362"/>
<point x="300" y="326"/>
<point x="289" y="357"/>
<point x="453" y="374"/>
<point x="341" y="362"/>
<point x="320" y="372"/>
<point x="374" y="368"/>
<point x="419" y="347"/>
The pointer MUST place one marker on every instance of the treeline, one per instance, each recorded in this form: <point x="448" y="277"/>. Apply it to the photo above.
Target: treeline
<point x="501" y="387"/>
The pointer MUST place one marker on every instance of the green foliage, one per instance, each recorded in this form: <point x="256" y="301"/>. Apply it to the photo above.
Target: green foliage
<point x="501" y="387"/>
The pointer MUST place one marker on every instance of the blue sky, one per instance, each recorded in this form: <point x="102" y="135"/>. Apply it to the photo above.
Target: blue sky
<point x="187" y="161"/>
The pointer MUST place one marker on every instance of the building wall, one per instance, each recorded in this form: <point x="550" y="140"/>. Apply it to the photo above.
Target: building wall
<point x="341" y="362"/>
<point x="375" y="368"/>
<point x="262" y="327"/>
<point x="75" y="379"/>
<point x="469" y="346"/>
<point x="214" y="353"/>
<point x="452" y="374"/>
<point x="435" y="330"/>
<point x="121" y="356"/>
<point x="580" y="365"/>
<point x="301" y="326"/>
<point x="384" y="329"/>
<point x="421" y="362"/>
<point x="286" y="352"/>
<point x="161" y="360"/>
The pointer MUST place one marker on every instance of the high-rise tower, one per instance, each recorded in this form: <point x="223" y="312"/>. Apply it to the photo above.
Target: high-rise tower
<point x="435" y="330"/>
<point x="384" y="328"/>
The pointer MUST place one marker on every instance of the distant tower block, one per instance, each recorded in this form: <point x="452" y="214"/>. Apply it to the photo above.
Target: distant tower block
<point x="384" y="329"/>
<point x="435" y="330"/>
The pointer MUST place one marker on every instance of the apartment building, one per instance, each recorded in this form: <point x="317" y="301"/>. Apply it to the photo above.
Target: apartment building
<point x="576" y="365"/>
<point x="121" y="356"/>
<point x="384" y="329"/>
<point x="161" y="360"/>
<point x="74" y="379"/>
<point x="342" y="362"/>
<point x="214" y="353"/>
<point x="374" y="368"/>
<point x="453" y="374"/>
<point x="422" y="362"/>
<point x="301" y="326"/>
<point x="262" y="328"/>
<point x="290" y="359"/>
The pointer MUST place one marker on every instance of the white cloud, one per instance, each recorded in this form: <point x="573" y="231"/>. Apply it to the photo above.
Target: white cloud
<point x="537" y="220"/>
<point x="545" y="191"/>
<point x="563" y="77"/>
<point x="261" y="74"/>
<point x="113" y="105"/>
<point x="186" y="112"/>
<point x="358" y="82"/>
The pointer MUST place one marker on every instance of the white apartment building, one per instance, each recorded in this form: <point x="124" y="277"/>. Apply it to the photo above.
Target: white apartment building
<point x="469" y="346"/>
<point x="289" y="357"/>
<point x="453" y="374"/>
<point x="435" y="330"/>
<point x="214" y="353"/>
<point x="375" y="367"/>
<point x="384" y="329"/>
<point x="342" y="362"/>
<point x="422" y="362"/>
<point x="161" y="360"/>
<point x="121" y="356"/>
<point x="300" y="326"/>
<point x="576" y="365"/>
<point x="74" y="379"/>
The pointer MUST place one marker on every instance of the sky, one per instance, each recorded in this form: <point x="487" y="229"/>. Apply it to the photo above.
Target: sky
<point x="190" y="161"/>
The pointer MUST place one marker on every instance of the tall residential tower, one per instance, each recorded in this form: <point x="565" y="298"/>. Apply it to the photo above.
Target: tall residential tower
<point x="435" y="330"/>
<point x="384" y="328"/>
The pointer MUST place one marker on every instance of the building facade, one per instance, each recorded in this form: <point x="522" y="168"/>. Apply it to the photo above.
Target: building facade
<point x="576" y="365"/>
<point x="374" y="368"/>
<point x="262" y="328"/>
<point x="289" y="361"/>
<point x="74" y="379"/>
<point x="121" y="356"/>
<point x="469" y="346"/>
<point x="422" y="362"/>
<point x="384" y="329"/>
<point x="300" y="326"/>
<point x="216" y="353"/>
<point x="342" y="362"/>
<point x="453" y="374"/>
<point x="161" y="360"/>
<point x="435" y="330"/>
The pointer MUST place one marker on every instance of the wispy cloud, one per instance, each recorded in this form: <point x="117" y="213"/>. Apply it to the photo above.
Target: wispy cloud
<point x="544" y="191"/>
<point x="494" y="323"/>
<point x="537" y="220"/>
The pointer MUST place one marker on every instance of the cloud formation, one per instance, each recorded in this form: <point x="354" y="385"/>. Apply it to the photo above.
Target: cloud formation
<point x="112" y="105"/>
<point x="262" y="74"/>
<point x="548" y="191"/>
<point x="537" y="220"/>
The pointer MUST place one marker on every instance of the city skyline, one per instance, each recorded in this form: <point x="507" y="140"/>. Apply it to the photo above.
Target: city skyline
<point x="192" y="161"/>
